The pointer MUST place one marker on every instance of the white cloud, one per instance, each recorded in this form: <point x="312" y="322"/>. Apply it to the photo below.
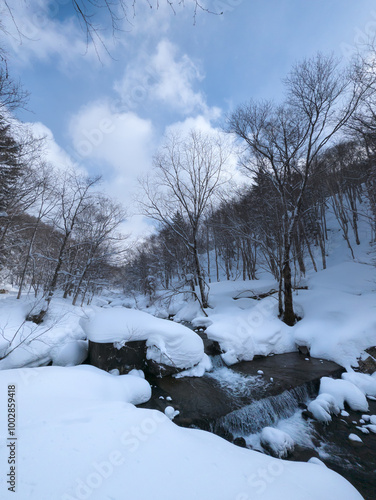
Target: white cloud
<point x="122" y="143"/>
<point x="52" y="152"/>
<point x="37" y="33"/>
<point x="166" y="77"/>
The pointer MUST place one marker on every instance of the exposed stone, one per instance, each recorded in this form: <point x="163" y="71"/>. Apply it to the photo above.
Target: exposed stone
<point x="107" y="356"/>
<point x="160" y="369"/>
<point x="368" y="364"/>
<point x="240" y="441"/>
<point x="303" y="349"/>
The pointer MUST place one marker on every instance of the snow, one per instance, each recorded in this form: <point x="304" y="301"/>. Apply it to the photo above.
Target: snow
<point x="371" y="427"/>
<point x="170" y="412"/>
<point x="59" y="338"/>
<point x="80" y="437"/>
<point x="354" y="437"/>
<point x="245" y="332"/>
<point x="323" y="407"/>
<point x="334" y="393"/>
<point x="70" y="354"/>
<point x="337" y="310"/>
<point x="344" y="391"/>
<point x="338" y="316"/>
<point x="315" y="460"/>
<point x="197" y="371"/>
<point x="366" y="383"/>
<point x="167" y="342"/>
<point x="279" y="442"/>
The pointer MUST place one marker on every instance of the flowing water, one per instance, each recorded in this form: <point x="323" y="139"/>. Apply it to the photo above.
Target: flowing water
<point x="237" y="402"/>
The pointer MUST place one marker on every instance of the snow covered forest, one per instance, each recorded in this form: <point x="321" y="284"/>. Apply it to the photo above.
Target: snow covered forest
<point x="228" y="354"/>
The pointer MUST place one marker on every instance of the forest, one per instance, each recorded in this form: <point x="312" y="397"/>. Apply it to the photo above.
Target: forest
<point x="187" y="250"/>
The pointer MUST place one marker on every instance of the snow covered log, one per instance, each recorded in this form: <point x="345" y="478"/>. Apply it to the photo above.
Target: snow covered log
<point x="127" y="338"/>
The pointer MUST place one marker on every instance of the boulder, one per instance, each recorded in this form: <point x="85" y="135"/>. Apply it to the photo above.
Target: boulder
<point x="109" y="356"/>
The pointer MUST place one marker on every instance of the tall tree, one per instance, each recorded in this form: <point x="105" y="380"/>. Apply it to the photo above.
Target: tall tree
<point x="188" y="172"/>
<point x="285" y="140"/>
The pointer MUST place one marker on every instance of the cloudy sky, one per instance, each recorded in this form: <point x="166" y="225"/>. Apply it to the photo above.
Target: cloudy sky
<point x="108" y="109"/>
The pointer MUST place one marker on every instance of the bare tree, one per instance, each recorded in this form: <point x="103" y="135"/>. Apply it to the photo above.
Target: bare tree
<point x="284" y="141"/>
<point x="188" y="171"/>
<point x="95" y="16"/>
<point x="45" y="202"/>
<point x="97" y="240"/>
<point x="74" y="198"/>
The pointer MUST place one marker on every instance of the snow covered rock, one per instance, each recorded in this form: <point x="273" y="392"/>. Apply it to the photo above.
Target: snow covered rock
<point x="323" y="407"/>
<point x="344" y="391"/>
<point x="366" y="383"/>
<point x="277" y="442"/>
<point x="170" y="347"/>
<point x="170" y="412"/>
<point x="355" y="438"/>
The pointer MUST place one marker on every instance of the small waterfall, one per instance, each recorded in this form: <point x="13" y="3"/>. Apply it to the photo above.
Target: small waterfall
<point x="217" y="361"/>
<point x="264" y="412"/>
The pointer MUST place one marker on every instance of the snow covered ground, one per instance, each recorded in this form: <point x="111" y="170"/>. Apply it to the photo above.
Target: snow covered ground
<point x="79" y="437"/>
<point x="338" y="310"/>
<point x="59" y="339"/>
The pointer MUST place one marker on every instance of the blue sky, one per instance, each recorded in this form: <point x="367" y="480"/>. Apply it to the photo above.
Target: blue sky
<point x="109" y="116"/>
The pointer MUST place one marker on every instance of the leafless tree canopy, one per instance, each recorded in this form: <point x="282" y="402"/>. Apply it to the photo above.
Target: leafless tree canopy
<point x="188" y="172"/>
<point x="96" y="16"/>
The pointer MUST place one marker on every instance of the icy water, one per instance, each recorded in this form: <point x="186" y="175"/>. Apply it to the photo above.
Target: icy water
<point x="238" y="402"/>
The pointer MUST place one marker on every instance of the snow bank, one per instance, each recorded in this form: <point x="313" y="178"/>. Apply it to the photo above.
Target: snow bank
<point x="246" y="327"/>
<point x="59" y="338"/>
<point x="79" y="438"/>
<point x="167" y="342"/>
<point x="339" y="320"/>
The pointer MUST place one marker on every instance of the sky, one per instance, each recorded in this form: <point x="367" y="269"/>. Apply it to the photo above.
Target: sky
<point x="105" y="109"/>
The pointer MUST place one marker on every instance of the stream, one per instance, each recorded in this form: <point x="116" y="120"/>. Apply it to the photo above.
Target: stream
<point x="237" y="402"/>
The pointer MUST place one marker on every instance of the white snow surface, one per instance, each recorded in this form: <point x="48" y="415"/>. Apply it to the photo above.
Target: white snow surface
<point x="344" y="391"/>
<point x="323" y="406"/>
<point x="59" y="338"/>
<point x="366" y="383"/>
<point x="354" y="437"/>
<point x="79" y="436"/>
<point x="278" y="441"/>
<point x="338" y="316"/>
<point x="167" y="342"/>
